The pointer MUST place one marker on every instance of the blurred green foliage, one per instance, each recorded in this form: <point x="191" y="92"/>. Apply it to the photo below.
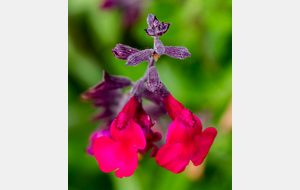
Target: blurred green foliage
<point x="202" y="82"/>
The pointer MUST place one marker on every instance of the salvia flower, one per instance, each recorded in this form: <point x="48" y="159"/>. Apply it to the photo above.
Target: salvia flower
<point x="185" y="139"/>
<point x="120" y="151"/>
<point x="128" y="128"/>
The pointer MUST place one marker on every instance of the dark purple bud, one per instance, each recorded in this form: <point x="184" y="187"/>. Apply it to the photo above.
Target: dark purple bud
<point x="139" y="57"/>
<point x="158" y="46"/>
<point x="110" y="83"/>
<point x="156" y="28"/>
<point x="177" y="52"/>
<point x="123" y="52"/>
<point x="153" y="81"/>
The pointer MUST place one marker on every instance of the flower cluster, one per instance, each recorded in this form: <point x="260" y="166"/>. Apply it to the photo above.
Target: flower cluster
<point x="128" y="126"/>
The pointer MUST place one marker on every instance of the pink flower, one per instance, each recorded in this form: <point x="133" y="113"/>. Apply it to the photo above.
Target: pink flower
<point x="185" y="139"/>
<point x="120" y="151"/>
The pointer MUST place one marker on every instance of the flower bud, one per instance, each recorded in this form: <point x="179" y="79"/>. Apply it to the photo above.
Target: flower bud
<point x="156" y="28"/>
<point x="123" y="52"/>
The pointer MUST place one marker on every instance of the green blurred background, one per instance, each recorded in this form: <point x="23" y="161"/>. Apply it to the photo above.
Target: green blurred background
<point x="203" y="83"/>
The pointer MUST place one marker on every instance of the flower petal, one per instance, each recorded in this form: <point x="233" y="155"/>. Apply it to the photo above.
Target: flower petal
<point x="172" y="157"/>
<point x="136" y="134"/>
<point x="179" y="132"/>
<point x="129" y="165"/>
<point x="176" y="133"/>
<point x="112" y="155"/>
<point x="202" y="145"/>
<point x="177" y="52"/>
<point x="131" y="136"/>
<point x="173" y="107"/>
<point x="139" y="57"/>
<point x="108" y="154"/>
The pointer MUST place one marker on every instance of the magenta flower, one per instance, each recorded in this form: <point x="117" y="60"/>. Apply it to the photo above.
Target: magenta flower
<point x="120" y="151"/>
<point x="185" y="139"/>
